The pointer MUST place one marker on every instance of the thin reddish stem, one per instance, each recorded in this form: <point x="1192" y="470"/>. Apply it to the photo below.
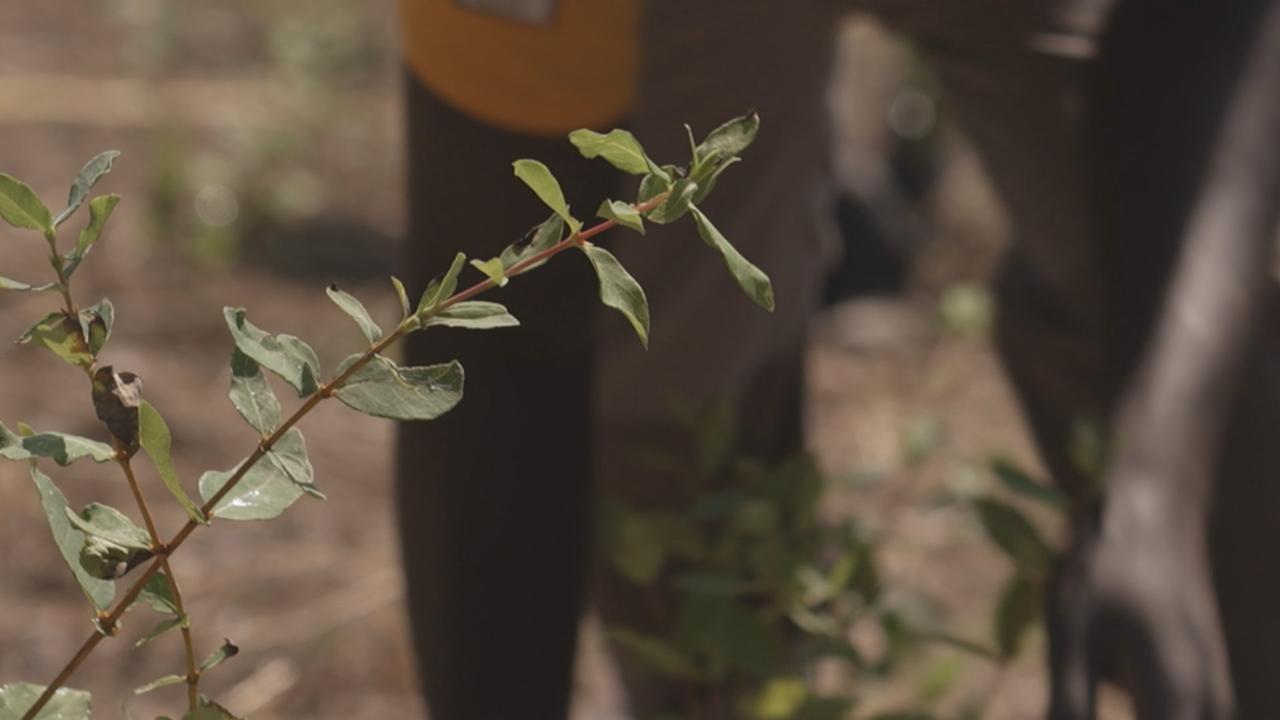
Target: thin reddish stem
<point x="107" y="621"/>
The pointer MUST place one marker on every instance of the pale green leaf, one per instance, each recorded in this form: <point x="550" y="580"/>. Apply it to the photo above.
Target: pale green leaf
<point x="251" y="394"/>
<point x="383" y="389"/>
<point x="162" y="628"/>
<point x="474" y="315"/>
<point x="157" y="442"/>
<point x="158" y="595"/>
<point x="273" y="484"/>
<point x="621" y="213"/>
<point x="11" y="284"/>
<point x="284" y="355"/>
<point x="158" y="683"/>
<point x="70" y="540"/>
<point x="731" y="138"/>
<point x="209" y="710"/>
<point x="541" y="238"/>
<point x="96" y="322"/>
<point x="21" y="208"/>
<point x="402" y="295"/>
<point x="708" y="174"/>
<point x="113" y="544"/>
<point x="779" y="699"/>
<point x="100" y="209"/>
<point x="651" y="186"/>
<point x="750" y="278"/>
<point x="677" y="203"/>
<point x="492" y="268"/>
<point x="107" y="523"/>
<point x="544" y="184"/>
<point x="619" y="290"/>
<point x="63" y="336"/>
<point x="62" y="448"/>
<point x="356" y="309"/>
<point x="89" y="176"/>
<point x="67" y="704"/>
<point x="225" y="651"/>
<point x="619" y="147"/>
<point x="443" y="287"/>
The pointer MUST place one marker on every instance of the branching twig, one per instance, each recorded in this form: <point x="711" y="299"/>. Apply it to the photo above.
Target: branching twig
<point x="107" y="621"/>
<point x="193" y="673"/>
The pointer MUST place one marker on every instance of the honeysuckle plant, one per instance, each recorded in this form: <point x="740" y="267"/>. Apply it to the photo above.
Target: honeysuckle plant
<point x="119" y="559"/>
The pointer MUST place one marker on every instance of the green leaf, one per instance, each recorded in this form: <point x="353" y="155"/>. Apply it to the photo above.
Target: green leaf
<point x="473" y="314"/>
<point x="619" y="147"/>
<point x="749" y="277"/>
<point x="619" y="290"/>
<point x="493" y="269"/>
<point x="61" y="448"/>
<point x="251" y="394"/>
<point x="634" y="547"/>
<point x="677" y="204"/>
<point x="734" y="635"/>
<point x="107" y="523"/>
<point x="824" y="708"/>
<point x="70" y="540"/>
<point x="63" y="336"/>
<point x="708" y="174"/>
<point x="1013" y="478"/>
<point x="158" y="683"/>
<point x="539" y="178"/>
<point x="96" y="322"/>
<point x="656" y="653"/>
<point x="544" y="236"/>
<point x="273" y="484"/>
<point x="11" y="284"/>
<point x="113" y="544"/>
<point x="653" y="185"/>
<point x="383" y="389"/>
<point x="731" y="138"/>
<point x="157" y="442"/>
<point x="353" y="307"/>
<point x="164" y="627"/>
<point x="1016" y="613"/>
<point x="1014" y="534"/>
<point x="441" y="288"/>
<point x="66" y="704"/>
<point x="89" y="176"/>
<point x="209" y="710"/>
<point x="21" y="208"/>
<point x="402" y="294"/>
<point x="780" y="699"/>
<point x="227" y="650"/>
<point x="621" y="213"/>
<point x="284" y="355"/>
<point x="158" y="595"/>
<point x="100" y="209"/>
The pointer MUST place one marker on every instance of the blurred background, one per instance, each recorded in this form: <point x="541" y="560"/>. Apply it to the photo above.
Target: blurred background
<point x="262" y="160"/>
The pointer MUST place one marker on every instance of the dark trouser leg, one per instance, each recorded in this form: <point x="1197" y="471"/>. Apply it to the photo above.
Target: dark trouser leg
<point x="706" y="62"/>
<point x="494" y="497"/>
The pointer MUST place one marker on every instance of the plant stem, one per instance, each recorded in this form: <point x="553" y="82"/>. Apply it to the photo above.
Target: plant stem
<point x="55" y="259"/>
<point x="107" y="621"/>
<point x="193" y="675"/>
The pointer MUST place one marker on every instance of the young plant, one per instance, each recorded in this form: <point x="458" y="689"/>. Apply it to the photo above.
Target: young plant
<point x="105" y="548"/>
<point x="762" y="594"/>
